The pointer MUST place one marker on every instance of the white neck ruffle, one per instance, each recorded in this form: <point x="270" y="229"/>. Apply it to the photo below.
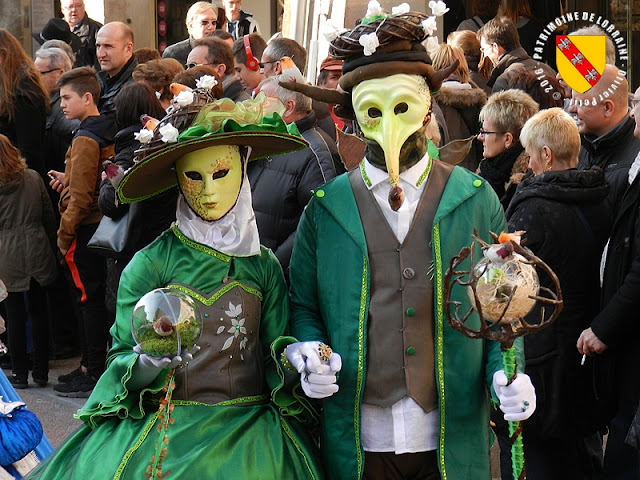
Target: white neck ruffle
<point x="235" y="234"/>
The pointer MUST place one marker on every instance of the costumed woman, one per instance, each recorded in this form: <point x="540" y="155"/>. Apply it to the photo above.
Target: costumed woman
<point x="229" y="416"/>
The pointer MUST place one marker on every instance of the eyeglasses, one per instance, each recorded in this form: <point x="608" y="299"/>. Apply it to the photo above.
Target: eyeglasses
<point x="485" y="133"/>
<point x="75" y="6"/>
<point x="262" y="64"/>
<point x="191" y="65"/>
<point x="49" y="71"/>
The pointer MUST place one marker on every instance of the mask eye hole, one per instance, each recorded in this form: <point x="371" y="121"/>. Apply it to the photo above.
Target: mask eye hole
<point x="401" y="108"/>
<point x="374" y="112"/>
<point x="220" y="174"/>
<point x="193" y="175"/>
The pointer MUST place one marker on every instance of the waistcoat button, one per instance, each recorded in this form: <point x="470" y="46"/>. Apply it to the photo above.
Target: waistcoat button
<point x="408" y="273"/>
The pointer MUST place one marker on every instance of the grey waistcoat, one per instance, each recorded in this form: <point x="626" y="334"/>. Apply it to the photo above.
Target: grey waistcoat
<point x="400" y="342"/>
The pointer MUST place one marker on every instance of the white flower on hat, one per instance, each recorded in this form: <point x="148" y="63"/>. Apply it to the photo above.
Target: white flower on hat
<point x="144" y="136"/>
<point x="369" y="42"/>
<point x="184" y="98"/>
<point x="402" y="8"/>
<point x="373" y="9"/>
<point x="206" y="81"/>
<point x="438" y="8"/>
<point x="331" y="31"/>
<point x="432" y="45"/>
<point x="430" y="25"/>
<point x="169" y="133"/>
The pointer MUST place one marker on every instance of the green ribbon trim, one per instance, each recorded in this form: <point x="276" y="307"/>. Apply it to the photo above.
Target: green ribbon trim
<point x="225" y="116"/>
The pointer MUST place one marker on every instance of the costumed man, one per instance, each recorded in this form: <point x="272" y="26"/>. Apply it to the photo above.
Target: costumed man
<point x="229" y="415"/>
<point x="411" y="399"/>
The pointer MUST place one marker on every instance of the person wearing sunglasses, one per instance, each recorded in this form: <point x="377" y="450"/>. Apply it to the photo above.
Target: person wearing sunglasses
<point x="201" y="22"/>
<point x="504" y="162"/>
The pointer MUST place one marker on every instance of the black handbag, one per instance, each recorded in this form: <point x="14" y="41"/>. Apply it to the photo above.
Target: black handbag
<point x="116" y="238"/>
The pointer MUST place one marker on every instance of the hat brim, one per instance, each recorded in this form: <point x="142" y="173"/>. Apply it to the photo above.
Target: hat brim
<point x="38" y="38"/>
<point x="154" y="174"/>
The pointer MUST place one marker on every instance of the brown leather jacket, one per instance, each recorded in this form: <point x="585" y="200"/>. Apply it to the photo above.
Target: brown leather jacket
<point x="92" y="144"/>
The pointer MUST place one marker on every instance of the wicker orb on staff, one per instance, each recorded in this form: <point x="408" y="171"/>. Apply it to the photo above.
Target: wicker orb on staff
<point x="503" y="287"/>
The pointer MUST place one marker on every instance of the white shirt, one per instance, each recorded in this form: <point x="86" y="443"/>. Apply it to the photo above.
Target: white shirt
<point x="404" y="427"/>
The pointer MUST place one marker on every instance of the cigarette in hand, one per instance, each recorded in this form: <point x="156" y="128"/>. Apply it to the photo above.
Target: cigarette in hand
<point x="584" y="358"/>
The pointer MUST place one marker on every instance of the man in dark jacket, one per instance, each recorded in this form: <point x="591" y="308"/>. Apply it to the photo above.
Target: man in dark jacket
<point x="201" y="21"/>
<point x="114" y="46"/>
<point x="281" y="186"/>
<point x="85" y="28"/>
<point x="612" y="331"/>
<point x="51" y="63"/>
<point x="271" y="66"/>
<point x="239" y="23"/>
<point x="607" y="131"/>
<point x="499" y="41"/>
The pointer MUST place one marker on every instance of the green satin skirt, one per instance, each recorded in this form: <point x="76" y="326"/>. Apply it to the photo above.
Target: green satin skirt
<point x="205" y="442"/>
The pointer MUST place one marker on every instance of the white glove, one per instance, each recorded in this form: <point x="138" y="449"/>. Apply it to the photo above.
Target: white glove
<point x="319" y="385"/>
<point x="304" y="357"/>
<point x="518" y="400"/>
<point x="147" y="368"/>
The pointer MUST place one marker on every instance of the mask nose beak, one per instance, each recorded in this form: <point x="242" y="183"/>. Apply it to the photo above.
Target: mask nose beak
<point x="391" y="138"/>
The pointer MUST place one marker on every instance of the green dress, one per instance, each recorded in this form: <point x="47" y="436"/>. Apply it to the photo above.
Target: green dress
<point x="236" y="412"/>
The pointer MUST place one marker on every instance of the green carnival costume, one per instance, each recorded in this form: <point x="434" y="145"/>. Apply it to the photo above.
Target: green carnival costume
<point x="331" y="229"/>
<point x="244" y="436"/>
<point x="232" y="412"/>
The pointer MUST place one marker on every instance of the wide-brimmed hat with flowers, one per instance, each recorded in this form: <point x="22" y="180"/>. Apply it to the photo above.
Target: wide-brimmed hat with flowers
<point x="196" y="125"/>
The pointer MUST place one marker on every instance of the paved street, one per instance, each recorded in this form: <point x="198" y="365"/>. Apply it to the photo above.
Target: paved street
<point x="55" y="413"/>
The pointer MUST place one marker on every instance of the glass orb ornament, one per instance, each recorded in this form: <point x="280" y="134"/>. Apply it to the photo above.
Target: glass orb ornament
<point x="166" y="322"/>
<point x="497" y="281"/>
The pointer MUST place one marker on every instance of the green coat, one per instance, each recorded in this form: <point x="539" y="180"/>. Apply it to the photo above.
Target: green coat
<point x="330" y="301"/>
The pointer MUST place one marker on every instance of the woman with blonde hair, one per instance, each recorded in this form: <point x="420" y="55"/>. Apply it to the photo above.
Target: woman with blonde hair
<point x="460" y="101"/>
<point x="505" y="161"/>
<point x="566" y="218"/>
<point x="27" y="262"/>
<point x="23" y="101"/>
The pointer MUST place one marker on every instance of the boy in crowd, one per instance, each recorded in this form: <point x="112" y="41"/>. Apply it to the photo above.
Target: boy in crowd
<point x="80" y="216"/>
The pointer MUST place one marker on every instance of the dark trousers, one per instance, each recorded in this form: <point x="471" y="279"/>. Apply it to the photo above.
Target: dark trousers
<point x="406" y="466"/>
<point x="87" y="272"/>
<point x="621" y="460"/>
<point x="18" y="306"/>
<point x="65" y="317"/>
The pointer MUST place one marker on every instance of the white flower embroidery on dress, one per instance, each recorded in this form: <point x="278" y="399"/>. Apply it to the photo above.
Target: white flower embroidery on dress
<point x="184" y="98"/>
<point x="169" y="133"/>
<point x="369" y="42"/>
<point x="438" y="8"/>
<point x="237" y="328"/>
<point x="206" y="81"/>
<point x="402" y="8"/>
<point x="144" y="136"/>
